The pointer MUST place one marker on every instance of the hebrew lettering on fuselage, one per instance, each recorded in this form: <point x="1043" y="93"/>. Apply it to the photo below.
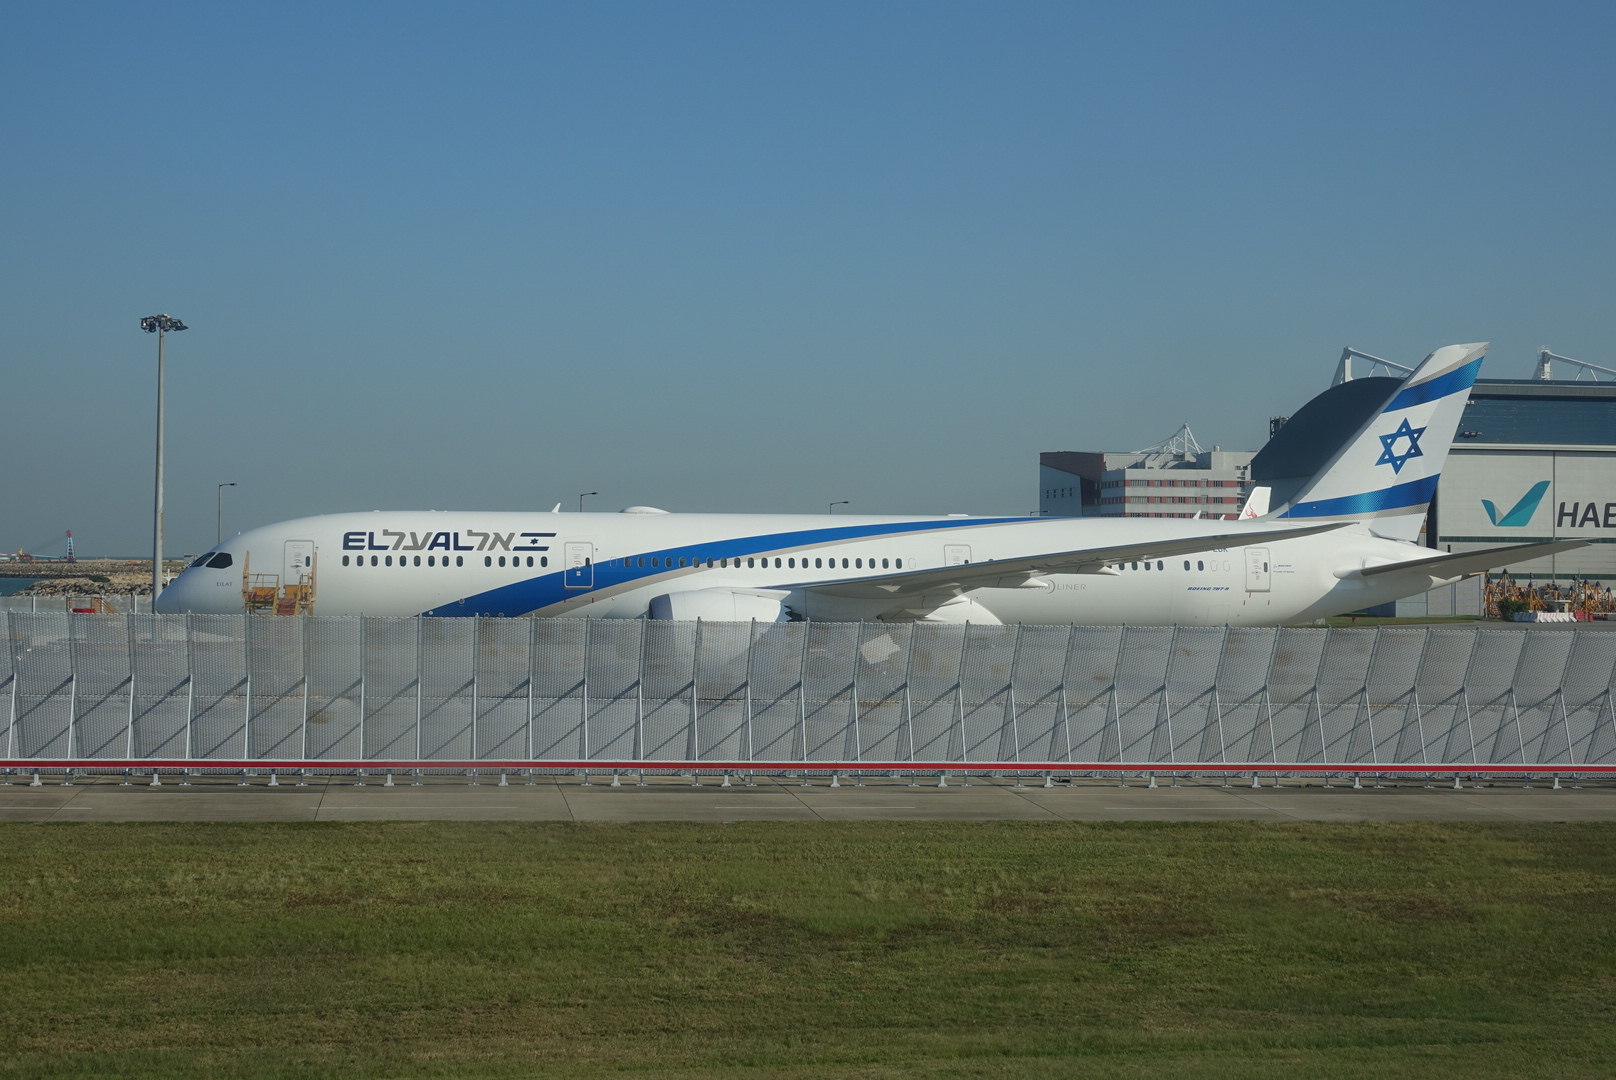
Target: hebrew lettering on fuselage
<point x="393" y="540"/>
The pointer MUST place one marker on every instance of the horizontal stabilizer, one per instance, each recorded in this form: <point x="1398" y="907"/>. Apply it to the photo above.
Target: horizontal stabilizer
<point x="1462" y="563"/>
<point x="1011" y="573"/>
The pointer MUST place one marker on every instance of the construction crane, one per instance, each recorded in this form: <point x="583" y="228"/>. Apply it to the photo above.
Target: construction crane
<point x="24" y="556"/>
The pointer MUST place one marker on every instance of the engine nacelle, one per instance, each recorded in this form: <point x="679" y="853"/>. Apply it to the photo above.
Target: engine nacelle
<point x="721" y="605"/>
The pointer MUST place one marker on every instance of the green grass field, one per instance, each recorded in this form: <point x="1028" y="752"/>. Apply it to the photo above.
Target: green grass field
<point x="808" y="949"/>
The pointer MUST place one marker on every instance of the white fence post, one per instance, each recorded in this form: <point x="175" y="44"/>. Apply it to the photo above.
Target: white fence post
<point x="190" y="683"/>
<point x="246" y="718"/>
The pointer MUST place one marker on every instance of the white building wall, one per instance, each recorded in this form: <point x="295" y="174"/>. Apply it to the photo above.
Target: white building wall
<point x="1460" y="598"/>
<point x="1579" y="502"/>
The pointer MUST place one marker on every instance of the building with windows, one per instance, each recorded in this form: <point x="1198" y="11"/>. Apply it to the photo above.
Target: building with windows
<point x="1175" y="478"/>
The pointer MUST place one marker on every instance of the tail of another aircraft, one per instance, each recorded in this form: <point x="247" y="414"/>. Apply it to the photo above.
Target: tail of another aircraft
<point x="1256" y="503"/>
<point x="1387" y="473"/>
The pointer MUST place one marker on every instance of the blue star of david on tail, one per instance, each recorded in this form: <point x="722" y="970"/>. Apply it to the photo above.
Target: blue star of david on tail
<point x="1388" y="453"/>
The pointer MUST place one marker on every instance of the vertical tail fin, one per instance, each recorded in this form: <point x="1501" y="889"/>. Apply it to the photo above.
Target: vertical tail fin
<point x="1388" y="471"/>
<point x="1256" y="503"/>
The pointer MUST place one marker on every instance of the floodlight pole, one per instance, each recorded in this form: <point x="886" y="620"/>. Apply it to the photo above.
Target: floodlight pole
<point x="218" y="525"/>
<point x="584" y="496"/>
<point x="831" y="509"/>
<point x="159" y="325"/>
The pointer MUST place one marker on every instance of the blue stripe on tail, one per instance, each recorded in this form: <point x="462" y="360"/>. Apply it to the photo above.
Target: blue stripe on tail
<point x="1399" y="497"/>
<point x="1440" y="387"/>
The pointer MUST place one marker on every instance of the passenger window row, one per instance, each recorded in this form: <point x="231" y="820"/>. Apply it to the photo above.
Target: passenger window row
<point x="516" y="560"/>
<point x="655" y="562"/>
<point x="752" y="563"/>
<point x="433" y="560"/>
<point x="221" y="560"/>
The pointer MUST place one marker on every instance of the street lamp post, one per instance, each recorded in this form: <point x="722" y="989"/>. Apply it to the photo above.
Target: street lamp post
<point x="218" y="524"/>
<point x="584" y="496"/>
<point x="831" y="509"/>
<point x="160" y="325"/>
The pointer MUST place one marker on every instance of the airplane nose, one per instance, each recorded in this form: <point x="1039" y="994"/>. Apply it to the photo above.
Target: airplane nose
<point x="170" y="600"/>
<point x="188" y="592"/>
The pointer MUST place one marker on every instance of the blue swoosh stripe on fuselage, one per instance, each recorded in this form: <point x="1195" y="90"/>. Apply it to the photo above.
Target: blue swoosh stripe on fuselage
<point x="1413" y="493"/>
<point x="534" y="594"/>
<point x="1453" y="382"/>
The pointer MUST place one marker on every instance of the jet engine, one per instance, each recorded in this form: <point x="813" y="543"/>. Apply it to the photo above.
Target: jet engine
<point x="721" y="605"/>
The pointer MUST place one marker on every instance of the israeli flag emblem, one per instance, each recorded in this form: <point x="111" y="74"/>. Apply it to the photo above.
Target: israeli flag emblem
<point x="1388" y="446"/>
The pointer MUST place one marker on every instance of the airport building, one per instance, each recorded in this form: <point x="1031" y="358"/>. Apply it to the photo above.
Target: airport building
<point x="1175" y="478"/>
<point x="1535" y="460"/>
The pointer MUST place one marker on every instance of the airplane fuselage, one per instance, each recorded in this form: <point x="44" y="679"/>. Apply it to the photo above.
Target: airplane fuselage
<point x="451" y="563"/>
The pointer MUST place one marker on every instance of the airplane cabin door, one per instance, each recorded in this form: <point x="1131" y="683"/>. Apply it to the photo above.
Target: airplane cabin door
<point x="298" y="564"/>
<point x="296" y="594"/>
<point x="580" y="565"/>
<point x="956" y="554"/>
<point x="1257" y="571"/>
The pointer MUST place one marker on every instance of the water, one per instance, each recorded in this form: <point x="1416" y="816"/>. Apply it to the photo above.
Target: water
<point x="12" y="585"/>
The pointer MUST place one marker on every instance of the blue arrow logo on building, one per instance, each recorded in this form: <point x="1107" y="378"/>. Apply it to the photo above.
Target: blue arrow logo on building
<point x="1522" y="511"/>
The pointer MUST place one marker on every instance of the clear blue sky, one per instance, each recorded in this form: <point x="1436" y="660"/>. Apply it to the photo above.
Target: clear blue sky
<point x="754" y="256"/>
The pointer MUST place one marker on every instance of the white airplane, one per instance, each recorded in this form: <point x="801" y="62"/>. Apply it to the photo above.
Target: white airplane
<point x="1344" y="542"/>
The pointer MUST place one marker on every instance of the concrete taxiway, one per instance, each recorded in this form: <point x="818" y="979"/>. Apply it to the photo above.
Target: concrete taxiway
<point x="670" y="798"/>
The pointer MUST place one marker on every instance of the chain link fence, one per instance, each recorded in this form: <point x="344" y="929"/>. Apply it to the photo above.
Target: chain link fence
<point x="238" y="690"/>
<point x="110" y="603"/>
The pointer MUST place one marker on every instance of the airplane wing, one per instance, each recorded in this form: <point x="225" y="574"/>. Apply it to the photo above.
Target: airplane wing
<point x="1014" y="573"/>
<point x="1462" y="563"/>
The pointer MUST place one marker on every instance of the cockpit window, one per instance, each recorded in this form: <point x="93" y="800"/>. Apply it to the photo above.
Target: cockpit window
<point x="201" y="560"/>
<point x="221" y="561"/>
